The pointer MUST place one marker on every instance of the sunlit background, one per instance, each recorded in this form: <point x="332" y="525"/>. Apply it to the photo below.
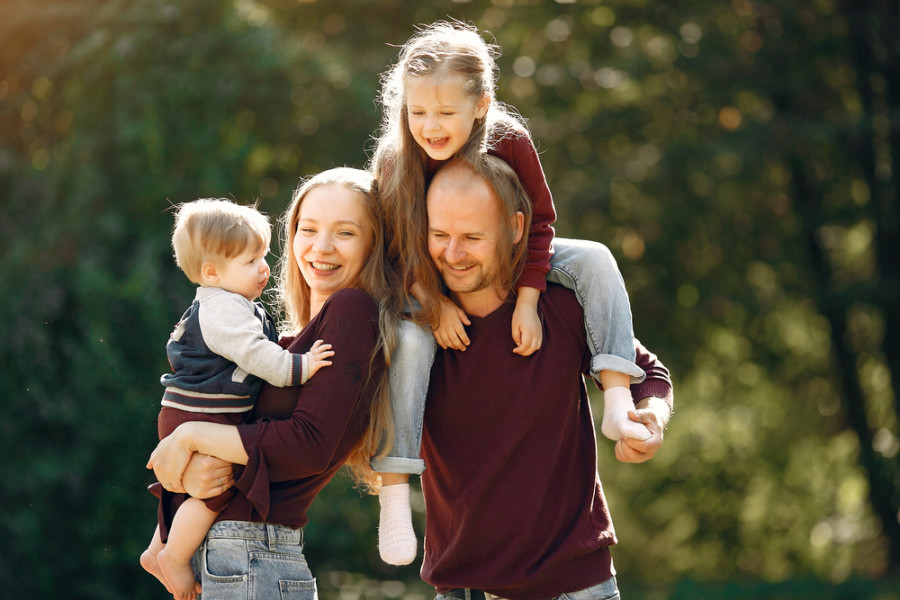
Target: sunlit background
<point x="739" y="158"/>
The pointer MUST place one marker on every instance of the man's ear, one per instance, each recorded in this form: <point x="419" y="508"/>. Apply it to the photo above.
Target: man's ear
<point x="518" y="226"/>
<point x="209" y="272"/>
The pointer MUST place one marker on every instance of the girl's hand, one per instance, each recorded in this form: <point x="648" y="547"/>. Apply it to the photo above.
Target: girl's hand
<point x="207" y="476"/>
<point x="527" y="331"/>
<point x="451" y="331"/>
<point x="170" y="458"/>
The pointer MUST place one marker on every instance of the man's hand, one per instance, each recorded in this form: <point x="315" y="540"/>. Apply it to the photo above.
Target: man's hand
<point x="654" y="414"/>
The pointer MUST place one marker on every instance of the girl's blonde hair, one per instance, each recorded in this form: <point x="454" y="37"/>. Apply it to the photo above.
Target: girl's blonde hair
<point x="215" y="229"/>
<point x="377" y="279"/>
<point x="400" y="164"/>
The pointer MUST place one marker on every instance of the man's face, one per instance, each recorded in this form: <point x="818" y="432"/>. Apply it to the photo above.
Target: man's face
<point x="464" y="233"/>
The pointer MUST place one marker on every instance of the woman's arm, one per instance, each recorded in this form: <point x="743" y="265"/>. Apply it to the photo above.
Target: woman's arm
<point x="172" y="454"/>
<point x="328" y="416"/>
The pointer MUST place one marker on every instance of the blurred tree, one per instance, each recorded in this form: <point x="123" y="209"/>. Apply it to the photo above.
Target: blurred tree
<point x="739" y="158"/>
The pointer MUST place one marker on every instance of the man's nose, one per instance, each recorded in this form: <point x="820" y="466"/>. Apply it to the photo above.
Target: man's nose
<point x="455" y="251"/>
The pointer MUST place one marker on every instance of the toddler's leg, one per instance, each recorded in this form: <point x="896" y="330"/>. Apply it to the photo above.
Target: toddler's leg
<point x="149" y="561"/>
<point x="189" y="528"/>
<point x="589" y="269"/>
<point x="408" y="377"/>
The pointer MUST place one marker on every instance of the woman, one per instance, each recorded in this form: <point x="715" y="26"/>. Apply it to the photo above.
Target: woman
<point x="334" y="284"/>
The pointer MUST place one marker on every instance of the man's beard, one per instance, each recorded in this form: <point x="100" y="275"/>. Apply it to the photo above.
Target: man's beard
<point x="468" y="282"/>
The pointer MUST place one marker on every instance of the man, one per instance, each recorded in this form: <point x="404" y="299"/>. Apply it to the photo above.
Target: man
<point x="515" y="508"/>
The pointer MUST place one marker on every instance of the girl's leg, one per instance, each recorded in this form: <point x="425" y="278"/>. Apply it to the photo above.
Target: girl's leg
<point x="189" y="528"/>
<point x="589" y="269"/>
<point x="408" y="377"/>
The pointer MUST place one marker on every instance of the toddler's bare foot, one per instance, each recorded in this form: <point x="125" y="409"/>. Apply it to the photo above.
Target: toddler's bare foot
<point x="179" y="575"/>
<point x="151" y="565"/>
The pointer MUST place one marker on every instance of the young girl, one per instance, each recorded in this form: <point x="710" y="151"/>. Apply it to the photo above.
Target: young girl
<point x="439" y="103"/>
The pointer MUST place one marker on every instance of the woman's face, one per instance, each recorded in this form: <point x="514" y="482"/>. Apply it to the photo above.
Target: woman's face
<point x="334" y="238"/>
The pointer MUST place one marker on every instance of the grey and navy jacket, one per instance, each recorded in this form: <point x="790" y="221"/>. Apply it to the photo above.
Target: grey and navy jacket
<point x="221" y="351"/>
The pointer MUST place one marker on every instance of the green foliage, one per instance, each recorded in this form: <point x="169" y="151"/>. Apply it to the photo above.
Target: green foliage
<point x="738" y="158"/>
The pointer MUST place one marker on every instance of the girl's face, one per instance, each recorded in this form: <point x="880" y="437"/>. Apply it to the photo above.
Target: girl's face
<point x="333" y="240"/>
<point x="441" y="115"/>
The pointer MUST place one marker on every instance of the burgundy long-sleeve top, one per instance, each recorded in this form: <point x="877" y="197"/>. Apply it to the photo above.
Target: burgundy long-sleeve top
<point x="513" y="499"/>
<point x="302" y="435"/>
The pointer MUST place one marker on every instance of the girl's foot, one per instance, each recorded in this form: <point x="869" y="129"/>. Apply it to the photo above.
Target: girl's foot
<point x="396" y="538"/>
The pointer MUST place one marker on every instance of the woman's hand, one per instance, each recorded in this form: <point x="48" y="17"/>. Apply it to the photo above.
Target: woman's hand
<point x="170" y="458"/>
<point x="207" y="476"/>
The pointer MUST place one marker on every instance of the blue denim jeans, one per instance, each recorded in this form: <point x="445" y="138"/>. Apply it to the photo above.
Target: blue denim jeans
<point x="408" y="377"/>
<point x="589" y="269"/>
<point x="253" y="561"/>
<point x="585" y="267"/>
<point x="605" y="590"/>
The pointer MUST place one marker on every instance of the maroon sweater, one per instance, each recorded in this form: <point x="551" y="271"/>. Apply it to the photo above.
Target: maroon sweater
<point x="514" y="501"/>
<point x="292" y="459"/>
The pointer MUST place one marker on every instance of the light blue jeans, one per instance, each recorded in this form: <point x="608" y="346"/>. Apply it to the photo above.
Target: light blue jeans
<point x="588" y="269"/>
<point x="605" y="590"/>
<point x="240" y="561"/>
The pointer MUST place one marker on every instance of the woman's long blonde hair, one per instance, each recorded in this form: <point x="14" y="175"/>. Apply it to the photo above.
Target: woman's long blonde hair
<point x="400" y="164"/>
<point x="377" y="278"/>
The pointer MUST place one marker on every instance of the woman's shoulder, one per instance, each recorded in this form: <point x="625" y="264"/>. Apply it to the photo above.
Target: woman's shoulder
<point x="351" y="301"/>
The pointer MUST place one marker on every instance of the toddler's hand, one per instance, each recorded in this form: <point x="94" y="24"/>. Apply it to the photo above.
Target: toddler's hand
<point x="451" y="330"/>
<point x="527" y="331"/>
<point x="318" y="356"/>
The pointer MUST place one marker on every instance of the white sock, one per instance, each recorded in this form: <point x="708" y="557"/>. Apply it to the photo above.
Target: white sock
<point x="616" y="424"/>
<point x="396" y="538"/>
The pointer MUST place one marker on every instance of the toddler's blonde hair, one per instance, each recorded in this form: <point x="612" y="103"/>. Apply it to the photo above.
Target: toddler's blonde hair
<point x="216" y="229"/>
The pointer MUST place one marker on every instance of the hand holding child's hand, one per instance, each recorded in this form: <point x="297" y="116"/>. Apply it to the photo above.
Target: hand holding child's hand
<point x="318" y="356"/>
<point x="527" y="331"/>
<point x="451" y="331"/>
<point x="638" y="451"/>
<point x="617" y="424"/>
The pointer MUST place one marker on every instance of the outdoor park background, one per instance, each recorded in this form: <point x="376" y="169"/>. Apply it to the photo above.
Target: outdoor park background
<point x="740" y="159"/>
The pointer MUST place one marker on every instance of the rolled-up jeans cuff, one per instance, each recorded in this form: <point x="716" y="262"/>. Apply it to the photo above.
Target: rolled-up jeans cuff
<point x="393" y="464"/>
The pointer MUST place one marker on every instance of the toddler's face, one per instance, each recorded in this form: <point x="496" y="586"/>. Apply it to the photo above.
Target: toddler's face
<point x="441" y="115"/>
<point x="245" y="274"/>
